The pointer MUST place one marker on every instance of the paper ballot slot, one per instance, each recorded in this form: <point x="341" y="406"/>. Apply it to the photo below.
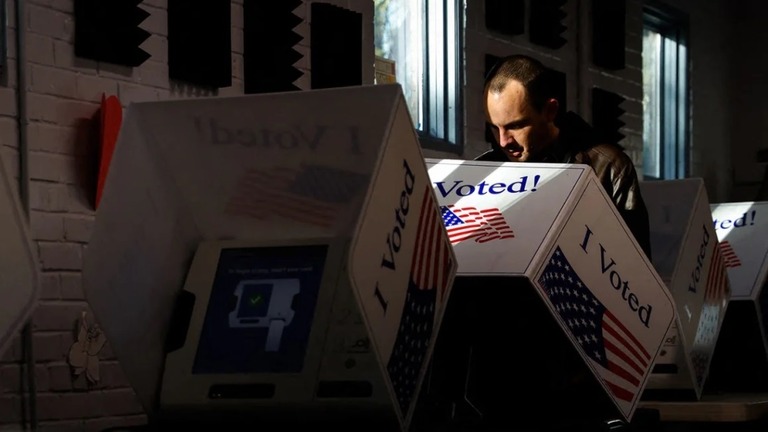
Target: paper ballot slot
<point x="741" y="357"/>
<point x="689" y="259"/>
<point x="296" y="271"/>
<point x="18" y="265"/>
<point x="540" y="247"/>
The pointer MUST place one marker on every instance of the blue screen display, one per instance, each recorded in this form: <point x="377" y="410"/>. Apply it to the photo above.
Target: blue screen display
<point x="260" y="310"/>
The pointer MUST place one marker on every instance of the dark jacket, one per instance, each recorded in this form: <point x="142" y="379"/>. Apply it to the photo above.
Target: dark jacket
<point x="613" y="167"/>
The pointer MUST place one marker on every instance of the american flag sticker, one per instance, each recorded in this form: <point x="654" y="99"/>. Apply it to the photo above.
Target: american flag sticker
<point x="431" y="274"/>
<point x="310" y="194"/>
<point x="705" y="340"/>
<point x="717" y="290"/>
<point x="730" y="259"/>
<point x="599" y="333"/>
<point x="471" y="223"/>
<point x="716" y="295"/>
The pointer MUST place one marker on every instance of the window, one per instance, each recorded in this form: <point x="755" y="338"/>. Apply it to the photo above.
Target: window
<point x="665" y="89"/>
<point x="423" y="39"/>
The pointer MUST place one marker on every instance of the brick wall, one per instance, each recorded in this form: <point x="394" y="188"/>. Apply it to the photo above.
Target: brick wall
<point x="63" y="93"/>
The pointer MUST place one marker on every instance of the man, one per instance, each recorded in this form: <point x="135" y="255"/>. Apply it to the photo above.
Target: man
<point x="522" y="112"/>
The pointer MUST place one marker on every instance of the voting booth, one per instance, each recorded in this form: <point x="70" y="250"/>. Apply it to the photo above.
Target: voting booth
<point x="275" y="258"/>
<point x="19" y="272"/>
<point x="687" y="256"/>
<point x="740" y="363"/>
<point x="558" y="307"/>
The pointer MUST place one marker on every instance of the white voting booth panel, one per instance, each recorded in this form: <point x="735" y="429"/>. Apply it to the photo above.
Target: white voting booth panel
<point x="742" y="228"/>
<point x="555" y="226"/>
<point x="18" y="265"/>
<point x="688" y="258"/>
<point x="304" y="230"/>
<point x="741" y="360"/>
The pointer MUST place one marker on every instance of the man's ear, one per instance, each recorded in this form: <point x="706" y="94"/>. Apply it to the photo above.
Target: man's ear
<point x="550" y="109"/>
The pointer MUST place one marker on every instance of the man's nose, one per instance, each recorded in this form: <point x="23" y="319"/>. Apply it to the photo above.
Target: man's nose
<point x="505" y="140"/>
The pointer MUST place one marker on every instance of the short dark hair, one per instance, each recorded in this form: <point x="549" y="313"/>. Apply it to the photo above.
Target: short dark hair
<point x="536" y="78"/>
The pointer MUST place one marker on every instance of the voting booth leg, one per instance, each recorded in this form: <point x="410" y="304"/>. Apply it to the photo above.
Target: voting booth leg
<point x="502" y="361"/>
<point x="740" y="361"/>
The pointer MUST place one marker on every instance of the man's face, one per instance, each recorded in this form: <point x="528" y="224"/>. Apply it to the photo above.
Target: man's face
<point x="521" y="130"/>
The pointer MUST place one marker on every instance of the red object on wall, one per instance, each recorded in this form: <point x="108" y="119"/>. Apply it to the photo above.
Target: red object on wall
<point x="110" y="121"/>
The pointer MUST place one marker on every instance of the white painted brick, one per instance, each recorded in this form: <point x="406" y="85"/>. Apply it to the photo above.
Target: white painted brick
<point x="51" y="345"/>
<point x="153" y="73"/>
<point x="53" y="167"/>
<point x="162" y="4"/>
<point x="304" y="61"/>
<point x="304" y="82"/>
<point x="71" y="286"/>
<point x="48" y="22"/>
<point x="9" y="132"/>
<point x="60" y="377"/>
<point x="157" y="22"/>
<point x="68" y="405"/>
<point x="59" y="319"/>
<point x="157" y="48"/>
<point x="78" y="228"/>
<point x="10" y="378"/>
<point x="129" y="93"/>
<point x="8" y="102"/>
<point x="46" y="226"/>
<point x="237" y="40"/>
<point x="10" y="161"/>
<point x="235" y="89"/>
<point x="59" y="111"/>
<point x="111" y="376"/>
<point x="10" y="408"/>
<point x="49" y="138"/>
<point x="40" y="49"/>
<point x="120" y="402"/>
<point x="10" y="14"/>
<point x="13" y="351"/>
<point x="50" y="286"/>
<point x="238" y="69"/>
<point x="64" y="57"/>
<point x="79" y="200"/>
<point x="42" y="379"/>
<point x="62" y="6"/>
<point x="91" y="88"/>
<point x="57" y="82"/>
<point x="301" y="11"/>
<point x="119" y="73"/>
<point x="60" y="256"/>
<point x="10" y="75"/>
<point x="48" y="196"/>
<point x="236" y="16"/>
<point x="10" y="45"/>
<point x="106" y="353"/>
<point x="164" y="94"/>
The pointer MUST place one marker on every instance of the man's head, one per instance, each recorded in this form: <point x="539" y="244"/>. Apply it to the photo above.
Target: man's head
<point x="520" y="107"/>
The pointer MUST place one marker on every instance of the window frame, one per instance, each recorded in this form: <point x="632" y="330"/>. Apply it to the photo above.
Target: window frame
<point x="442" y="79"/>
<point x="675" y="124"/>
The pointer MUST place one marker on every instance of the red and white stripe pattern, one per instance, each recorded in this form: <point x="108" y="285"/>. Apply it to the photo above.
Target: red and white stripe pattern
<point x="717" y="288"/>
<point x="432" y="260"/>
<point x="729" y="255"/>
